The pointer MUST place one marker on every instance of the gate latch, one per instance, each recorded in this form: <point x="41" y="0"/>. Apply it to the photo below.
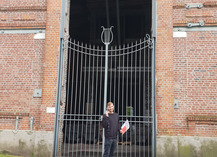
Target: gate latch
<point x="195" y="5"/>
<point x="200" y="23"/>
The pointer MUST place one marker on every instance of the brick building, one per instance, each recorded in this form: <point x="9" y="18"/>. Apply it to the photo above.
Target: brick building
<point x="186" y="69"/>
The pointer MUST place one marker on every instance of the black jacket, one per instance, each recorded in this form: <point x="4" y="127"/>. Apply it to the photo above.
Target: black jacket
<point x="111" y="125"/>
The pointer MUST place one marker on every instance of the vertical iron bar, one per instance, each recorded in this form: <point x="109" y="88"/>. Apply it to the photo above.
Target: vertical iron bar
<point x="142" y="63"/>
<point x="119" y="84"/>
<point x="105" y="87"/>
<point x="88" y="98"/>
<point x="131" y="89"/>
<point x="127" y="83"/>
<point x="115" y="71"/>
<point x="91" y="117"/>
<point x="110" y="93"/>
<point x="149" y="105"/>
<point x="135" y="60"/>
<point x="100" y="97"/>
<point x="76" y="92"/>
<point x="144" y="89"/>
<point x="123" y="92"/>
<point x="84" y="96"/>
<point x="115" y="74"/>
<point x="72" y="86"/>
<point x="140" y="66"/>
<point x="153" y="102"/>
<point x="68" y="88"/>
<point x="79" y="100"/>
<point x="96" y="102"/>
<point x="144" y="85"/>
<point x="131" y="75"/>
<point x="68" y="104"/>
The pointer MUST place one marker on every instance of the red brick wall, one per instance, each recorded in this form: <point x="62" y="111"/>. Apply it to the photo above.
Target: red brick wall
<point x="28" y="63"/>
<point x="195" y="82"/>
<point x="21" y="62"/>
<point x="50" y="63"/>
<point x="207" y="13"/>
<point x="21" y="73"/>
<point x="195" y="67"/>
<point x="164" y="68"/>
<point x="21" y="14"/>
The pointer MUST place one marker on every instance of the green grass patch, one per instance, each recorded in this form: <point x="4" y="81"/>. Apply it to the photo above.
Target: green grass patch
<point x="6" y="155"/>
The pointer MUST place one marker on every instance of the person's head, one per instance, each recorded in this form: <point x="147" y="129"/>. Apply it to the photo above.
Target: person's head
<point x="110" y="107"/>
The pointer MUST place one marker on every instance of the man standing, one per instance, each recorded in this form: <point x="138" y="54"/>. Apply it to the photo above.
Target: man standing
<point x="110" y="123"/>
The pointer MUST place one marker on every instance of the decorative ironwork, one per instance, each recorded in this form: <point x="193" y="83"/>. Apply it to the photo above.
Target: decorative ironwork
<point x="135" y="47"/>
<point x="149" y="41"/>
<point x="128" y="86"/>
<point x="107" y="35"/>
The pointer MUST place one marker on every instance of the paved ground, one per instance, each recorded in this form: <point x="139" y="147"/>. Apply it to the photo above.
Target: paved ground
<point x="95" y="150"/>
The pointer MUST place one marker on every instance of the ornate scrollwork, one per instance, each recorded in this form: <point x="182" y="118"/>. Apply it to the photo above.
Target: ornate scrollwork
<point x="149" y="41"/>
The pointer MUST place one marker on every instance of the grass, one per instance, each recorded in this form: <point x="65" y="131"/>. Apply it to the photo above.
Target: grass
<point x="5" y="155"/>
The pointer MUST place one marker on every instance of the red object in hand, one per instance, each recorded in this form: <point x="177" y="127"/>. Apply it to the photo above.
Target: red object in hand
<point x="125" y="127"/>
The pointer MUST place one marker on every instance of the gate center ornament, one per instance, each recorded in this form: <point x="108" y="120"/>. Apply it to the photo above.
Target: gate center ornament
<point x="107" y="35"/>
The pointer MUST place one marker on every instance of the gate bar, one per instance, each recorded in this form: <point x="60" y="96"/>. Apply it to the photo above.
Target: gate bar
<point x="106" y="40"/>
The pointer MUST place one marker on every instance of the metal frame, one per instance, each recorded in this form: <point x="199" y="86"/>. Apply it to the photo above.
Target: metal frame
<point x="59" y="79"/>
<point x="154" y="37"/>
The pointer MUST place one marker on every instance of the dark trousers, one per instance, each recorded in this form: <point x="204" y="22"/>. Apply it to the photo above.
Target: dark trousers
<point x="110" y="145"/>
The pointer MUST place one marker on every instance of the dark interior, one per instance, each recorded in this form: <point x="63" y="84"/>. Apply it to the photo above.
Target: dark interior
<point x="131" y="20"/>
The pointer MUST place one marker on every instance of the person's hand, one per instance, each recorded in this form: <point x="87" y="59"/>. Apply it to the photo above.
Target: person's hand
<point x="106" y="113"/>
<point x="121" y="131"/>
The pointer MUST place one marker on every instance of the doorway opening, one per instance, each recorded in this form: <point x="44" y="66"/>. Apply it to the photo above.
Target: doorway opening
<point x="129" y="76"/>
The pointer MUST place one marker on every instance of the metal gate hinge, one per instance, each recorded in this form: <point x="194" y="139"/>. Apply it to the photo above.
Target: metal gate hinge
<point x="195" y="5"/>
<point x="200" y="23"/>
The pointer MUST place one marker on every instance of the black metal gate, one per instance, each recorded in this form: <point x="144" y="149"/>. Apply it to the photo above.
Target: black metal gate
<point x="129" y="87"/>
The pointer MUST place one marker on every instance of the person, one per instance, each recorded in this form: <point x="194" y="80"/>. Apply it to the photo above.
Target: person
<point x="110" y="123"/>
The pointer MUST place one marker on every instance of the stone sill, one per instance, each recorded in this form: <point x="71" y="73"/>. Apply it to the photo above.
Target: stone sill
<point x="210" y="118"/>
<point x="14" y="114"/>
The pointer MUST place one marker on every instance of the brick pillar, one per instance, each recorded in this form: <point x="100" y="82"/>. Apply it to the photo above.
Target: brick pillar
<point x="50" y="72"/>
<point x="164" y="68"/>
